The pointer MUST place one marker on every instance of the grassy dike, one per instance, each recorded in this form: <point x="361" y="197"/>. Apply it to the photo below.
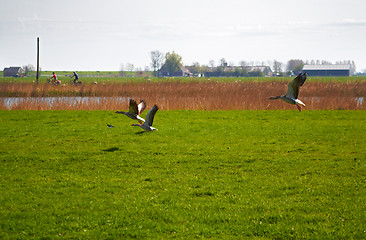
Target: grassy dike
<point x="204" y="174"/>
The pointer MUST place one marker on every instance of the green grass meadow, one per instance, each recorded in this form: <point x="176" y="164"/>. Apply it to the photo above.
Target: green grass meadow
<point x="204" y="174"/>
<point x="112" y="77"/>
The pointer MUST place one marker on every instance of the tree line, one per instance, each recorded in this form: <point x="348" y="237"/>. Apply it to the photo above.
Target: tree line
<point x="172" y="62"/>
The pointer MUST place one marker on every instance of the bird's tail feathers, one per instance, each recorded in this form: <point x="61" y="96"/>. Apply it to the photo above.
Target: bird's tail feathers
<point x="299" y="102"/>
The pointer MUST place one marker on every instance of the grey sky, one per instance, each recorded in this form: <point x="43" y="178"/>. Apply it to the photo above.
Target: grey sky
<point x="102" y="35"/>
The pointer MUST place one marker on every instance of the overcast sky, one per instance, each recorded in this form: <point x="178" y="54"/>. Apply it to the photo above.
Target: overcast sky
<point x="102" y="35"/>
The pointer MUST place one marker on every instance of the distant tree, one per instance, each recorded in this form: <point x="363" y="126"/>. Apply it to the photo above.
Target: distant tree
<point x="157" y="60"/>
<point x="211" y="63"/>
<point x="353" y="67"/>
<point x="242" y="63"/>
<point x="29" y="68"/>
<point x="173" y="62"/>
<point x="244" y="72"/>
<point x="196" y="68"/>
<point x="204" y="68"/>
<point x="223" y="62"/>
<point x="277" y="67"/>
<point x="238" y="72"/>
<point x="130" y="67"/>
<point x="256" y="74"/>
<point x="295" y="65"/>
<point x="324" y="62"/>
<point x="122" y="69"/>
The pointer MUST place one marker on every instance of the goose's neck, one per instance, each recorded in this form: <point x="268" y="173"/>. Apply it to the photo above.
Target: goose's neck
<point x="277" y="97"/>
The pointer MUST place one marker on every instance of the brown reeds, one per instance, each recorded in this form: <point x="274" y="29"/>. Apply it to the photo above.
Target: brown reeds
<point x="171" y="95"/>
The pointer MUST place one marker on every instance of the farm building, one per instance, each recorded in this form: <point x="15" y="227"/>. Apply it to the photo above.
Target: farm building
<point x="329" y="70"/>
<point x="13" y="72"/>
<point x="183" y="72"/>
<point x="266" y="70"/>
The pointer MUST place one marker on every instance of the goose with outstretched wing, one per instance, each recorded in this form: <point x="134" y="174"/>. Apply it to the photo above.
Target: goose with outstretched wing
<point x="147" y="125"/>
<point x="293" y="91"/>
<point x="135" y="110"/>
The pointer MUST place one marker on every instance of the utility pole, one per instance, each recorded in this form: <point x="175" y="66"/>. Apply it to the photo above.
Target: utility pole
<point x="37" y="60"/>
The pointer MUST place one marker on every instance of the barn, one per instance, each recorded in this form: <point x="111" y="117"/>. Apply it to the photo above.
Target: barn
<point x="13" y="72"/>
<point x="182" y="72"/>
<point x="329" y="70"/>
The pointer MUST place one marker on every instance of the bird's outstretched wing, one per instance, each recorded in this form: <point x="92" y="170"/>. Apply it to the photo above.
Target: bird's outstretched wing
<point x="150" y="115"/>
<point x="141" y="107"/>
<point x="294" y="85"/>
<point x="133" y="107"/>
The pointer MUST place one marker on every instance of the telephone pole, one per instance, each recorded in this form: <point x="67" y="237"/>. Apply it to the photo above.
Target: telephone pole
<point x="37" y="78"/>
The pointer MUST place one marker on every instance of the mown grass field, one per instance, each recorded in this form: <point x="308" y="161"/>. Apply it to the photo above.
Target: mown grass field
<point x="204" y="174"/>
<point x="114" y="77"/>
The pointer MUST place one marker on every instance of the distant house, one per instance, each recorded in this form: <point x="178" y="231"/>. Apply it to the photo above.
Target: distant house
<point x="13" y="72"/>
<point x="266" y="70"/>
<point x="232" y="71"/>
<point x="329" y="70"/>
<point x="182" y="72"/>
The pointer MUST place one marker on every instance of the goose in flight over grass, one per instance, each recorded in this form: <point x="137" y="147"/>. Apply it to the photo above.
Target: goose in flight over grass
<point x="135" y="110"/>
<point x="293" y="91"/>
<point x="149" y="119"/>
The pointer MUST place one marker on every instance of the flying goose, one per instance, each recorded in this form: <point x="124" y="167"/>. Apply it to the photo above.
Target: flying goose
<point x="149" y="120"/>
<point x="134" y="110"/>
<point x="293" y="91"/>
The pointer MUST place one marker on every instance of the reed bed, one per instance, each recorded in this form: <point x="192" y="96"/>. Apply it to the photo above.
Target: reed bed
<point x="178" y="95"/>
